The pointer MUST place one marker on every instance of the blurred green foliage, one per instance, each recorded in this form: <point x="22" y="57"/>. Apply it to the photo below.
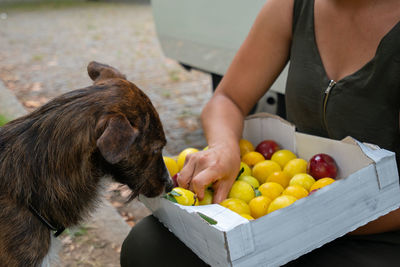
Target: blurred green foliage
<point x="3" y="120"/>
<point x="77" y="231"/>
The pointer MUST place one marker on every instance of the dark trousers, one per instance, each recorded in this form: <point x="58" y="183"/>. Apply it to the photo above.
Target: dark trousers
<point x="150" y="244"/>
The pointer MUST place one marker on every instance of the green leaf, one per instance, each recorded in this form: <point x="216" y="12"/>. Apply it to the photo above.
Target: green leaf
<point x="207" y="219"/>
<point x="170" y="198"/>
<point x="258" y="193"/>
<point x="240" y="173"/>
<point x="174" y="193"/>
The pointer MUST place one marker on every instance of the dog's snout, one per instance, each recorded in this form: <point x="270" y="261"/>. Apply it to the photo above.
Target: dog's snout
<point x="169" y="185"/>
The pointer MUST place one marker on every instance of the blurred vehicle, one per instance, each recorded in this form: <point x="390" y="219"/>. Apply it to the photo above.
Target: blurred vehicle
<point x="206" y="34"/>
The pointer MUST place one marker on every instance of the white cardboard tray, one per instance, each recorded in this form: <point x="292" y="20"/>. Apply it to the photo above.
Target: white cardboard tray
<point x="368" y="189"/>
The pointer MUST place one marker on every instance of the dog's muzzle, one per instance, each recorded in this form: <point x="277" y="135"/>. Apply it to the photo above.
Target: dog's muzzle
<point x="169" y="185"/>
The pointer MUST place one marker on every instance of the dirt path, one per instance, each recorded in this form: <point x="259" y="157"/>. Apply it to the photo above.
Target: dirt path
<point x="44" y="52"/>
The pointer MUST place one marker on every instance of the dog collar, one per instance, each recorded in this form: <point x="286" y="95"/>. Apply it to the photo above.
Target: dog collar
<point x="57" y="230"/>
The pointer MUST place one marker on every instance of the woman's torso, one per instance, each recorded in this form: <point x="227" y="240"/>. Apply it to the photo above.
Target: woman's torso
<point x="364" y="104"/>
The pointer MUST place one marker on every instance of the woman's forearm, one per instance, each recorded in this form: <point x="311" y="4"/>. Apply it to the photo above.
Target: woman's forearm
<point x="222" y="121"/>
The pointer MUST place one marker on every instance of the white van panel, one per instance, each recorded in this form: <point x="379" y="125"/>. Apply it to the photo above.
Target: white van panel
<point x="206" y="34"/>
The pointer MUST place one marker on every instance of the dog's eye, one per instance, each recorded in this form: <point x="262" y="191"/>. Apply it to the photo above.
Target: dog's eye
<point x="156" y="151"/>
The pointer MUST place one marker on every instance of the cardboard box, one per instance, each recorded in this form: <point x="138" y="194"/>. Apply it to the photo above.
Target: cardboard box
<point x="367" y="189"/>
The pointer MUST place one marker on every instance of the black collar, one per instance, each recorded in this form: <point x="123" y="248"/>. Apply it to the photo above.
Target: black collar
<point x="57" y="230"/>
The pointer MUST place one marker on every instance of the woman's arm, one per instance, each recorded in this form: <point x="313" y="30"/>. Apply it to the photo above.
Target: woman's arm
<point x="254" y="68"/>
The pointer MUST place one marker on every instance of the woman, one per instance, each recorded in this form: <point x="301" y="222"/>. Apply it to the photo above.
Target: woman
<point x="344" y="79"/>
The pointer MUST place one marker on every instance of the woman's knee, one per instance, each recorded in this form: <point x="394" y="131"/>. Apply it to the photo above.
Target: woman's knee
<point x="141" y="243"/>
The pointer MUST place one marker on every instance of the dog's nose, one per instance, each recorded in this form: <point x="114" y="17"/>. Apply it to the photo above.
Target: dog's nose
<point x="169" y="185"/>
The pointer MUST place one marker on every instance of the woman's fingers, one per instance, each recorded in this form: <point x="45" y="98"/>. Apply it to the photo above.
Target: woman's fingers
<point x="202" y="180"/>
<point x="221" y="190"/>
<point x="185" y="175"/>
<point x="196" y="175"/>
<point x="189" y="170"/>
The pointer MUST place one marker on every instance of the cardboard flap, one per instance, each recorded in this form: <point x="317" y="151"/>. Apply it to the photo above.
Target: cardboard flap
<point x="241" y="241"/>
<point x="262" y="126"/>
<point x="351" y="140"/>
<point x="385" y="164"/>
<point x="269" y="115"/>
<point x="309" y="145"/>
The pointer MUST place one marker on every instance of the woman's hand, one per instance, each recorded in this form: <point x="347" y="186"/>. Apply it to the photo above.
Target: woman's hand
<point x="217" y="166"/>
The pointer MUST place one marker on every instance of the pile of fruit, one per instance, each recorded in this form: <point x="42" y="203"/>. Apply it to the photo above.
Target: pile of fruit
<point x="270" y="178"/>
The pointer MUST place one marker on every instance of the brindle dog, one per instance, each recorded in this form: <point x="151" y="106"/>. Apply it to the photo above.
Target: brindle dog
<point x="53" y="159"/>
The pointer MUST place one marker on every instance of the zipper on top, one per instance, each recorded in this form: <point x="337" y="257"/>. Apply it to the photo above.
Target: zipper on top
<point x="331" y="84"/>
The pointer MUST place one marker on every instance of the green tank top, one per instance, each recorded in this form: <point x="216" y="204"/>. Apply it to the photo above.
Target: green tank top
<point x="364" y="105"/>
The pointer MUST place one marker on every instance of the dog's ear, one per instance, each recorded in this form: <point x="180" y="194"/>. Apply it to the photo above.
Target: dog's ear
<point x="116" y="138"/>
<point x="98" y="72"/>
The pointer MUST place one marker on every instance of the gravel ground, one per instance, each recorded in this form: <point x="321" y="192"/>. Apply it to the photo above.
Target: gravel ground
<point x="44" y="51"/>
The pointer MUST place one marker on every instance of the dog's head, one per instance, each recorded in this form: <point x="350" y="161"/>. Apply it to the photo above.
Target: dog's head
<point x="129" y="134"/>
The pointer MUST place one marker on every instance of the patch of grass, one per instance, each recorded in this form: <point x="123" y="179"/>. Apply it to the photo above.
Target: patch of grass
<point x="91" y="27"/>
<point x="120" y="54"/>
<point x="37" y="57"/>
<point x="174" y="75"/>
<point x="79" y="231"/>
<point x="97" y="37"/>
<point x="166" y="94"/>
<point x="186" y="113"/>
<point x="3" y="120"/>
